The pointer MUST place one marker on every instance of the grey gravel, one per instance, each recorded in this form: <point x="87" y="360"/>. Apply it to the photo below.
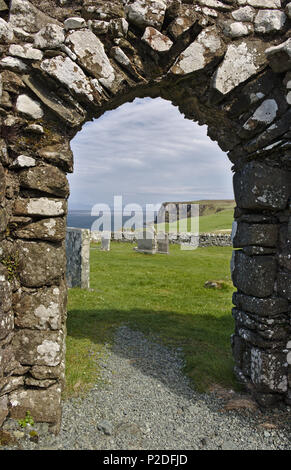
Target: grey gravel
<point x="146" y="402"/>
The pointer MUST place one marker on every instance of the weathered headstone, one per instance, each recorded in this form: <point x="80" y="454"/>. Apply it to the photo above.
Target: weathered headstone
<point x="78" y="257"/>
<point x="146" y="242"/>
<point x="163" y="243"/>
<point x="105" y="243"/>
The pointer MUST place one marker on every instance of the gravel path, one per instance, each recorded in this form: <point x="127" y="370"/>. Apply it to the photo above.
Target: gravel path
<point x="146" y="402"/>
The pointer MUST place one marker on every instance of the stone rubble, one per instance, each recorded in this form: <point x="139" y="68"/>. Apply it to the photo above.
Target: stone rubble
<point x="225" y="64"/>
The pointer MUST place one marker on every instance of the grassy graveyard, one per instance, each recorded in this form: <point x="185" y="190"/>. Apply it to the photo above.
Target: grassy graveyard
<point x="163" y="296"/>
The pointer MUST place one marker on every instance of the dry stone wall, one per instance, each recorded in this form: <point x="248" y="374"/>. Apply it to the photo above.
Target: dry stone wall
<point x="223" y="63"/>
<point x="205" y="239"/>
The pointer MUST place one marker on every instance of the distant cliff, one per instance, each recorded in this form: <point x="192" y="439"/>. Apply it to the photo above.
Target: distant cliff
<point x="173" y="211"/>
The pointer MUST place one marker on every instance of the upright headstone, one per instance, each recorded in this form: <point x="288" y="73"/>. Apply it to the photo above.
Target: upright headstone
<point x="163" y="243"/>
<point x="105" y="243"/>
<point x="146" y="241"/>
<point x="78" y="257"/>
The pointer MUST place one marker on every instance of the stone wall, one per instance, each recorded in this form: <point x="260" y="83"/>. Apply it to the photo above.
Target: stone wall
<point x="205" y="239"/>
<point x="78" y="257"/>
<point x="223" y="63"/>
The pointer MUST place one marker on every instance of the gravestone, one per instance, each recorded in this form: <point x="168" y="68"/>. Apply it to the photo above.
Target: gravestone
<point x="146" y="241"/>
<point x="163" y="243"/>
<point x="78" y="257"/>
<point x="105" y="243"/>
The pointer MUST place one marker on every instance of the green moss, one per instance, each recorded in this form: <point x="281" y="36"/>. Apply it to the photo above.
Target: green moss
<point x="33" y="436"/>
<point x="6" y="438"/>
<point x="11" y="264"/>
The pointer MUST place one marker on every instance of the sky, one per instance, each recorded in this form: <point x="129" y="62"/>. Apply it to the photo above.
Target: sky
<point x="148" y="153"/>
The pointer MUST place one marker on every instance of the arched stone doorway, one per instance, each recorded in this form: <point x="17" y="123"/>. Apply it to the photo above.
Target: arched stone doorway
<point x="223" y="63"/>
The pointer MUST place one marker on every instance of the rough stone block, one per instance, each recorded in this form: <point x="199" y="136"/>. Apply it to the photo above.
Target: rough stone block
<point x="6" y="32"/>
<point x="284" y="285"/>
<point x="3" y="220"/>
<point x="23" y="161"/>
<point x="28" y="106"/>
<point x="59" y="154"/>
<point x="144" y="13"/>
<point x="255" y="339"/>
<point x="50" y="36"/>
<point x="11" y="82"/>
<point x="156" y="40"/>
<point x="258" y="186"/>
<point x="3" y="409"/>
<point x="258" y="250"/>
<point x="78" y="257"/>
<point x="45" y="178"/>
<point x="280" y="56"/>
<point x="6" y="324"/>
<point x="274" y="329"/>
<point x="238" y="349"/>
<point x="254" y="275"/>
<point x="6" y="358"/>
<point x="269" y="21"/>
<point x="41" y="309"/>
<point x="269" y="371"/>
<point x="8" y="384"/>
<point x="5" y="295"/>
<point x="26" y="16"/>
<point x="43" y="348"/>
<point x="2" y="183"/>
<point x="31" y="382"/>
<point x="44" y="405"/>
<point x="4" y="158"/>
<point x="40" y="207"/>
<point x="50" y="229"/>
<point x="67" y="72"/>
<point x="64" y="110"/>
<point x="44" y="372"/>
<point x="3" y="6"/>
<point x="40" y="263"/>
<point x="268" y="307"/>
<point x="242" y="60"/>
<point x="254" y="234"/>
<point x="201" y="52"/>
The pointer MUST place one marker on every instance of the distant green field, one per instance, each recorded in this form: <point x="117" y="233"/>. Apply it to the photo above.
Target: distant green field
<point x="218" y="221"/>
<point x="163" y="296"/>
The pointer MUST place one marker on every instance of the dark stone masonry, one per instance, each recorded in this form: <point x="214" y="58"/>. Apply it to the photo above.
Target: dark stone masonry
<point x="224" y="63"/>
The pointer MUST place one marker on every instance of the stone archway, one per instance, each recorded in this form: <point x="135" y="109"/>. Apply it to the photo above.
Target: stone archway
<point x="224" y="63"/>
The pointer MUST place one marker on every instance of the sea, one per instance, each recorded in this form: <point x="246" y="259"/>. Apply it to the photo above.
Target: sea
<point x="84" y="219"/>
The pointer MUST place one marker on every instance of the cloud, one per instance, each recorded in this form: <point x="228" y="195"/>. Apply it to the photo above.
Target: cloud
<point x="147" y="149"/>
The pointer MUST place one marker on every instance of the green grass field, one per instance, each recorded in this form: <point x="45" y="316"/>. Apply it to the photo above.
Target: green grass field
<point x="214" y="216"/>
<point x="217" y="222"/>
<point x="163" y="296"/>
